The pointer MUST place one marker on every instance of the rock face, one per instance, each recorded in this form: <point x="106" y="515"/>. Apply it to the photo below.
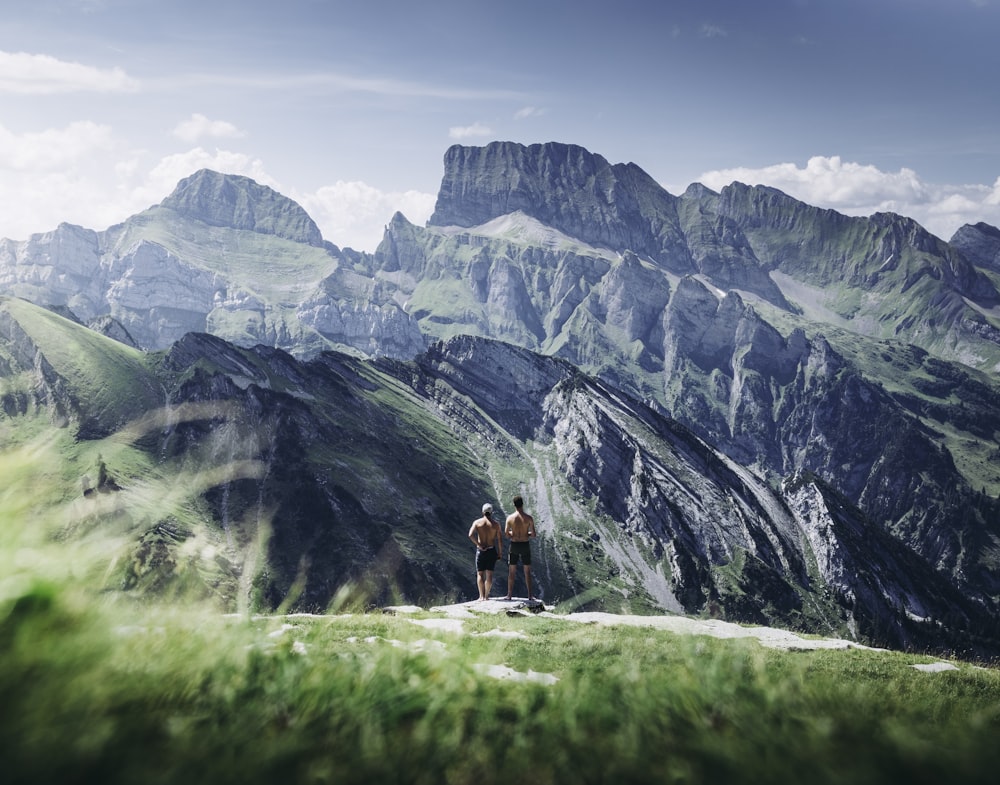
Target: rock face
<point x="580" y="194"/>
<point x="61" y="267"/>
<point x="980" y="244"/>
<point x="238" y="202"/>
<point x="565" y="187"/>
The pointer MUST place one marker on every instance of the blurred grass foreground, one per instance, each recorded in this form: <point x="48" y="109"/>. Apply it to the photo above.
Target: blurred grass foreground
<point x="97" y="687"/>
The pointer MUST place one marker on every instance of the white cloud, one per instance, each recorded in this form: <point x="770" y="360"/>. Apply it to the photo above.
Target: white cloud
<point x="829" y="182"/>
<point x="59" y="174"/>
<point x="198" y="126"/>
<point x="54" y="148"/>
<point x="859" y="189"/>
<point x="528" y="111"/>
<point x="354" y="214"/>
<point x="33" y="74"/>
<point x="709" y="30"/>
<point x="469" y="131"/>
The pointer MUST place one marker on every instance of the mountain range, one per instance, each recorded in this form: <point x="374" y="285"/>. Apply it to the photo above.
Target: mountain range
<point x="730" y="404"/>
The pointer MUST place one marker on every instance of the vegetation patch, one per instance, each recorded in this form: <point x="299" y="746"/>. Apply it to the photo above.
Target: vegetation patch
<point x="112" y="693"/>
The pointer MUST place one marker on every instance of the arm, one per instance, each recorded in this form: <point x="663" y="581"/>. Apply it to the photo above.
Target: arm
<point x="499" y="541"/>
<point x="473" y="536"/>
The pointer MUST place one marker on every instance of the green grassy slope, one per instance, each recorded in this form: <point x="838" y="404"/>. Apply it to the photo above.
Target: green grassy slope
<point x="105" y="376"/>
<point x="120" y="695"/>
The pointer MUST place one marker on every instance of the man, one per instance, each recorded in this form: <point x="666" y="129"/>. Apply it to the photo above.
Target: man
<point x="485" y="535"/>
<point x="520" y="528"/>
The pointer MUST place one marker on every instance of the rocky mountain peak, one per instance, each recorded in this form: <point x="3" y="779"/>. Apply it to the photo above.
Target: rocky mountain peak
<point x="238" y="202"/>
<point x="565" y="187"/>
<point x="980" y="244"/>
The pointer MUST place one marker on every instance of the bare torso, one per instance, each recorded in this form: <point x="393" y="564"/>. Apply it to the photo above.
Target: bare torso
<point x="485" y="533"/>
<point x="520" y="527"/>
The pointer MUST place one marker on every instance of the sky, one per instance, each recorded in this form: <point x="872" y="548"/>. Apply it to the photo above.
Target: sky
<point x="348" y="107"/>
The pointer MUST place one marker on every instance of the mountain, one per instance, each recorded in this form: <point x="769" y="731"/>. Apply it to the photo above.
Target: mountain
<point x="239" y="203"/>
<point x="221" y="254"/>
<point x="724" y="403"/>
<point x="344" y="480"/>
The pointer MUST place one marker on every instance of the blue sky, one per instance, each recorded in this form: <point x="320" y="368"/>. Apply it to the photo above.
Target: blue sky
<point x="348" y="107"/>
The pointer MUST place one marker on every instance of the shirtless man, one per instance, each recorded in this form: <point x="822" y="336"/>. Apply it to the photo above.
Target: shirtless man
<point x="485" y="535"/>
<point x="520" y="528"/>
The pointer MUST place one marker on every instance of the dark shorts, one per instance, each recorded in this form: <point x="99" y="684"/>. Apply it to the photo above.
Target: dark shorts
<point x="522" y="551"/>
<point x="486" y="560"/>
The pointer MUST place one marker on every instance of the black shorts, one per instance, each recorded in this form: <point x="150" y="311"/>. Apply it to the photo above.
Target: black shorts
<point x="522" y="551"/>
<point x="486" y="560"/>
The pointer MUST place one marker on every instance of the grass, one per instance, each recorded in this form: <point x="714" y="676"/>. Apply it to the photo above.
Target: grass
<point x="107" y="375"/>
<point x="103" y="692"/>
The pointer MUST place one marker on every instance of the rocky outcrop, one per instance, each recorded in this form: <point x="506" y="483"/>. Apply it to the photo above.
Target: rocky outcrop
<point x="237" y="202"/>
<point x="110" y="327"/>
<point x="980" y="243"/>
<point x="887" y="594"/>
<point x="63" y="267"/>
<point x="373" y="329"/>
<point x="507" y="383"/>
<point x="720" y="248"/>
<point x="157" y="297"/>
<point x="565" y="187"/>
<point x="792" y="404"/>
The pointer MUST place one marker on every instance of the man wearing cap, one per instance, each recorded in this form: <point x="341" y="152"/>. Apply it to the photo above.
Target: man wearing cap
<point x="485" y="535"/>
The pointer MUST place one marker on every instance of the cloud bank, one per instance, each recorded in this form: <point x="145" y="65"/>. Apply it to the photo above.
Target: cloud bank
<point x="84" y="174"/>
<point x="860" y="189"/>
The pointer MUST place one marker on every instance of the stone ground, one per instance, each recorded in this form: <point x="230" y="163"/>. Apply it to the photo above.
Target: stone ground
<point x="452" y="617"/>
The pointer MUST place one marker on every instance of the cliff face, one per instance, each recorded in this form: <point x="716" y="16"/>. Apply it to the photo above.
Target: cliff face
<point x="565" y="187"/>
<point x="240" y="203"/>
<point x="980" y="244"/>
<point x="617" y="207"/>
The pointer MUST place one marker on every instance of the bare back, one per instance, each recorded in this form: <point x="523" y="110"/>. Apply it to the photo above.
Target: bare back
<point x="520" y="526"/>
<point x="485" y="533"/>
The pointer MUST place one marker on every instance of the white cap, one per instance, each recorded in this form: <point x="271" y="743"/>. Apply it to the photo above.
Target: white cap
<point x="487" y="509"/>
